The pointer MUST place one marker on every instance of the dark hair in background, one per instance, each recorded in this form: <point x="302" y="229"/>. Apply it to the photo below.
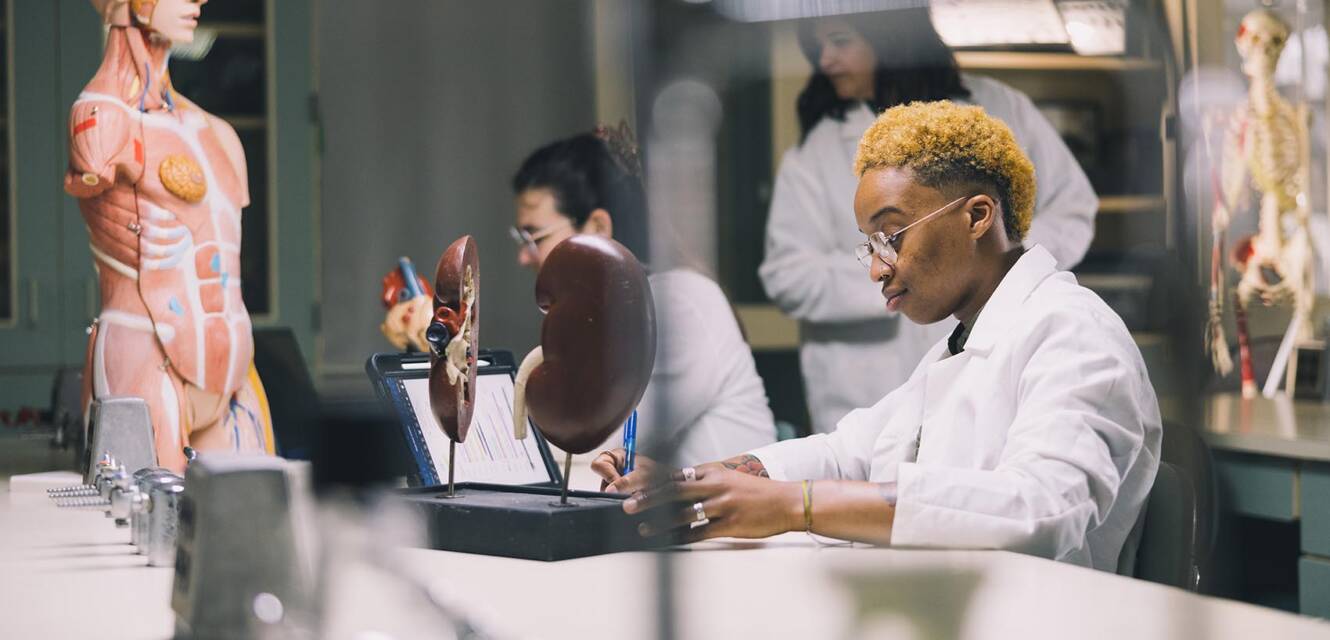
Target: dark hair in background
<point x="912" y="64"/>
<point x="584" y="176"/>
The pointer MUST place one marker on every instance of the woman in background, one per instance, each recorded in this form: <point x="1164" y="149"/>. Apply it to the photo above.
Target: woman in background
<point x="853" y="350"/>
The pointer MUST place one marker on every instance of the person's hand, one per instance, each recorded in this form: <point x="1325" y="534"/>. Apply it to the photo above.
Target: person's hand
<point x="406" y="323"/>
<point x="646" y="473"/>
<point x="734" y="504"/>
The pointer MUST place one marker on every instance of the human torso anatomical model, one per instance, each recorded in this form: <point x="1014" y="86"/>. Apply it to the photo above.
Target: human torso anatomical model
<point x="1265" y="147"/>
<point x="161" y="184"/>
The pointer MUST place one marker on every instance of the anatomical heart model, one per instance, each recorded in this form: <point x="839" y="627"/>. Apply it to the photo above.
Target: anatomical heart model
<point x="454" y="341"/>
<point x="409" y="301"/>
<point x="161" y="183"/>
<point x="1266" y="150"/>
<point x="598" y="344"/>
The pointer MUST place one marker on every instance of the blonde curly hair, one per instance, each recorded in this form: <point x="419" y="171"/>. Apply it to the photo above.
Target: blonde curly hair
<point x="944" y="143"/>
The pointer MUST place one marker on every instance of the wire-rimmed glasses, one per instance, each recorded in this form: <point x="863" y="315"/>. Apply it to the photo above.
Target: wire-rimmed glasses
<point x="885" y="246"/>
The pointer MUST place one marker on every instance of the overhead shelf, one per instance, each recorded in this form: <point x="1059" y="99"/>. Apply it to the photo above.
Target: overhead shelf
<point x="770" y="330"/>
<point x="1131" y="204"/>
<point x="234" y="29"/>
<point x="244" y="123"/>
<point x="767" y="328"/>
<point x="1046" y="61"/>
<point x="1150" y="339"/>
<point x="1114" y="281"/>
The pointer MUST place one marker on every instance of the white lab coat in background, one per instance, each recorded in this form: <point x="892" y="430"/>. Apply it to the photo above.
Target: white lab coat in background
<point x="705" y="395"/>
<point x="1042" y="436"/>
<point x="853" y="352"/>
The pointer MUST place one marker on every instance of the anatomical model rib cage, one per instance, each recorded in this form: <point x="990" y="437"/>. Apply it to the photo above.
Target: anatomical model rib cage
<point x="1266" y="160"/>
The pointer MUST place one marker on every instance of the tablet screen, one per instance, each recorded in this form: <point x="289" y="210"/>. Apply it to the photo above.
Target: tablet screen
<point x="490" y="453"/>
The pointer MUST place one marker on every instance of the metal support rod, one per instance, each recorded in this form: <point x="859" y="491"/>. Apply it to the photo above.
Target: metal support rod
<point x="567" y="472"/>
<point x="452" y="464"/>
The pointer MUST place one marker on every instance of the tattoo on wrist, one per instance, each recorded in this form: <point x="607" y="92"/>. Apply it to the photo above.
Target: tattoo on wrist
<point x="747" y="463"/>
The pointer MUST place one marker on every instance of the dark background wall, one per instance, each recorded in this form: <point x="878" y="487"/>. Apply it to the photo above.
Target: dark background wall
<point x="428" y="106"/>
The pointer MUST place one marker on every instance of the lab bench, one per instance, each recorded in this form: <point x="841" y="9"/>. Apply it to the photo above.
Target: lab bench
<point x="1272" y="457"/>
<point x="73" y="574"/>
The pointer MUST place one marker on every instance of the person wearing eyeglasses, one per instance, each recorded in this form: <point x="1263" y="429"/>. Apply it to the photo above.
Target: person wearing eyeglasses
<point x="1031" y="427"/>
<point x="705" y="400"/>
<point x="862" y="65"/>
<point x="705" y="396"/>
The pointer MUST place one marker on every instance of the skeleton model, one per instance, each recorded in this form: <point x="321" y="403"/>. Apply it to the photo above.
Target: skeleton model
<point x="1265" y="147"/>
<point x="160" y="183"/>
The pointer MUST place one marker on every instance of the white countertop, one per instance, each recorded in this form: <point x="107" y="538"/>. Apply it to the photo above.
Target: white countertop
<point x="787" y="587"/>
<point x="1279" y="426"/>
<point x="71" y="574"/>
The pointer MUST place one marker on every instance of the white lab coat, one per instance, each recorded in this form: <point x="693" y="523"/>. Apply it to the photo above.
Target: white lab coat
<point x="1042" y="436"/>
<point x="852" y="351"/>
<point x="705" y="396"/>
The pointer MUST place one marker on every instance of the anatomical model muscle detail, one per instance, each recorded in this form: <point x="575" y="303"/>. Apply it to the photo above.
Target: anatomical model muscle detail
<point x="161" y="184"/>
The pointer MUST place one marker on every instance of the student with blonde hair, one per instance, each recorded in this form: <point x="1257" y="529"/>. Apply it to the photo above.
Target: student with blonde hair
<point x="1032" y="427"/>
<point x="863" y="64"/>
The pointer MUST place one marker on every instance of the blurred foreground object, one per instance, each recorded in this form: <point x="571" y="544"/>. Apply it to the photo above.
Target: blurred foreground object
<point x="244" y="563"/>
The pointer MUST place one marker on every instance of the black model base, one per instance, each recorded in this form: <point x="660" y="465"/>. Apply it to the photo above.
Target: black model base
<point x="526" y="522"/>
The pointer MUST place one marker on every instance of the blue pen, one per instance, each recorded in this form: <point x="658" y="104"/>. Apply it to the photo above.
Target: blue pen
<point x="630" y="443"/>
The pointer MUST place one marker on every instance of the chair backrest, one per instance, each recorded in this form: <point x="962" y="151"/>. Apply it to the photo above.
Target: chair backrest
<point x="1168" y="545"/>
<point x="1185" y="449"/>
<point x="292" y="398"/>
<point x="67" y="409"/>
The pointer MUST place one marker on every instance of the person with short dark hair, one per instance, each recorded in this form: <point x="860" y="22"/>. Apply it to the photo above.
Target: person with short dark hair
<point x="862" y="65"/>
<point x="1032" y="426"/>
<point x="705" y="399"/>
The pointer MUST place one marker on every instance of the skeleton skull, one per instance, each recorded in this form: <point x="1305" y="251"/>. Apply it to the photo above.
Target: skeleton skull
<point x="1261" y="38"/>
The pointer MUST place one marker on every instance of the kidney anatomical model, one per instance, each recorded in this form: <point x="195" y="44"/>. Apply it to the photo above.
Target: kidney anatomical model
<point x="597" y="344"/>
<point x="454" y="337"/>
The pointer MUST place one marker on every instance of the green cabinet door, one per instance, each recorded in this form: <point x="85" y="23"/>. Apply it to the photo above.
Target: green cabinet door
<point x="48" y="289"/>
<point x="30" y="347"/>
